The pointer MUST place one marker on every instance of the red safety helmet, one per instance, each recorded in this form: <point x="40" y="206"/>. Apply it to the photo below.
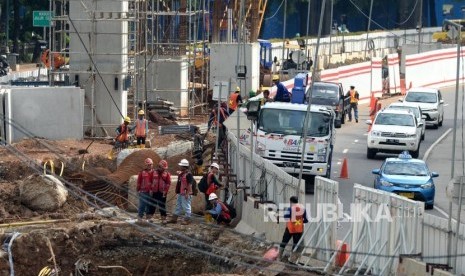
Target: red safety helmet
<point x="163" y="164"/>
<point x="148" y="161"/>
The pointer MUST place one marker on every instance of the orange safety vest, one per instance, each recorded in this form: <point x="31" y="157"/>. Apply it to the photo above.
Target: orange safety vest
<point x="296" y="222"/>
<point x="124" y="134"/>
<point x="233" y="101"/>
<point x="352" y="97"/>
<point x="144" y="181"/>
<point x="140" y="127"/>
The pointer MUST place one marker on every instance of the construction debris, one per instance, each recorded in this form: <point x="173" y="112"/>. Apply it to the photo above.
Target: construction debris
<point x="42" y="192"/>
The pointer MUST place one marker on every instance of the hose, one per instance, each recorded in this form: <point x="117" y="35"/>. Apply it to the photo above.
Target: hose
<point x="10" y="255"/>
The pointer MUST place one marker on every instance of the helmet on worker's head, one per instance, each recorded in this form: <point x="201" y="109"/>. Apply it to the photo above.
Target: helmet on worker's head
<point x="141" y="112"/>
<point x="184" y="163"/>
<point x="127" y="119"/>
<point x="352" y="87"/>
<point x="163" y="164"/>
<point x="275" y="78"/>
<point x="212" y="196"/>
<point x="238" y="89"/>
<point x="148" y="161"/>
<point x="215" y="165"/>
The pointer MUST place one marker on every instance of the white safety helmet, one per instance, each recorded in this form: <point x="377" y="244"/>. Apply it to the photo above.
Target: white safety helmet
<point x="184" y="163"/>
<point x="215" y="165"/>
<point x="212" y="196"/>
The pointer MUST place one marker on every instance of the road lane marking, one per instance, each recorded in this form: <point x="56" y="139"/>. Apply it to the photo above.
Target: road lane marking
<point x="441" y="211"/>
<point x="428" y="151"/>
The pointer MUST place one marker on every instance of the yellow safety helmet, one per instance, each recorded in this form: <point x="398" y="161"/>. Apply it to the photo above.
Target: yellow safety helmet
<point x="238" y="89"/>
<point x="47" y="271"/>
<point x="127" y="119"/>
<point x="141" y="112"/>
<point x="275" y="78"/>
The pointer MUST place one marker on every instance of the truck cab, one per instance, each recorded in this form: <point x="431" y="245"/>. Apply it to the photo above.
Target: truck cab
<point x="330" y="94"/>
<point x="279" y="137"/>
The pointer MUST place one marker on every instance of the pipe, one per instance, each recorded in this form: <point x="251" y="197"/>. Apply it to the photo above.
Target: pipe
<point x="24" y="223"/>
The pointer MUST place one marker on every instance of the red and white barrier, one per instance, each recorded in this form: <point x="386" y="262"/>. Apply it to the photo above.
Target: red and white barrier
<point x="394" y="73"/>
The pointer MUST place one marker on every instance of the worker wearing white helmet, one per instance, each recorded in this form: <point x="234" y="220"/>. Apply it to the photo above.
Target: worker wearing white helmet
<point x="184" y="193"/>
<point x="219" y="211"/>
<point x="213" y="183"/>
<point x="142" y="127"/>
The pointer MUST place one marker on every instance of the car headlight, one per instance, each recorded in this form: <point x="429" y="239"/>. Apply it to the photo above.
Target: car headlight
<point x="428" y="185"/>
<point x="433" y="110"/>
<point x="385" y="183"/>
<point x="322" y="151"/>
<point x="411" y="135"/>
<point x="321" y="158"/>
<point x="376" y="133"/>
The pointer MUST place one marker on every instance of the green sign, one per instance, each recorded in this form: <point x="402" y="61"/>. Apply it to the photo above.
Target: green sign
<point x="41" y="18"/>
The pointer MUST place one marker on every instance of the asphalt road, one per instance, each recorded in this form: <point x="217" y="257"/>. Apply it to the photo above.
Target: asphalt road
<point x="351" y="144"/>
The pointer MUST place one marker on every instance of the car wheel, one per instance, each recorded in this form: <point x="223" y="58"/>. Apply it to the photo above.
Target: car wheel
<point x="429" y="206"/>
<point x="440" y="122"/>
<point x="371" y="153"/>
<point x="423" y="137"/>
<point x="416" y="153"/>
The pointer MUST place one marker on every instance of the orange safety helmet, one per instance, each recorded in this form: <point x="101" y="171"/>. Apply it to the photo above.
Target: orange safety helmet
<point x="163" y="164"/>
<point x="148" y="161"/>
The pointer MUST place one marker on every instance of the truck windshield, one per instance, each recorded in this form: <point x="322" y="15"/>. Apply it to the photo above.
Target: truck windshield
<point x="325" y="91"/>
<point x="290" y="122"/>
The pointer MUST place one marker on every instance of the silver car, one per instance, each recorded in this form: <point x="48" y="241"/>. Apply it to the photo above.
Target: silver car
<point x="430" y="102"/>
<point x="416" y="111"/>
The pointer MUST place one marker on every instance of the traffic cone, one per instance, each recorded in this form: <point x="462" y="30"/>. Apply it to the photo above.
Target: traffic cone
<point x="344" y="170"/>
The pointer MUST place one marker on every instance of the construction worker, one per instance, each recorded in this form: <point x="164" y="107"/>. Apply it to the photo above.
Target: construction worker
<point x="282" y="94"/>
<point x="142" y="127"/>
<point x="212" y="182"/>
<point x="354" y="97"/>
<point x="219" y="211"/>
<point x="184" y="193"/>
<point x="234" y="100"/>
<point x="160" y="187"/>
<point x="144" y="189"/>
<point x="217" y="121"/>
<point x="266" y="97"/>
<point x="296" y="216"/>
<point x="122" y="137"/>
<point x="197" y="152"/>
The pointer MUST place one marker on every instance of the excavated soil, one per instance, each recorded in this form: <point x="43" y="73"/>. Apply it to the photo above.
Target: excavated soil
<point x="80" y="241"/>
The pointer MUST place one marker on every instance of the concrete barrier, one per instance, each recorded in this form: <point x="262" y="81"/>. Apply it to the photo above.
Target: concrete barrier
<point x="412" y="267"/>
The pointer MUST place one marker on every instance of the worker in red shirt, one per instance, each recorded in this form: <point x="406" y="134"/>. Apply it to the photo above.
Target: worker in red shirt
<point x="144" y="189"/>
<point x="160" y="187"/>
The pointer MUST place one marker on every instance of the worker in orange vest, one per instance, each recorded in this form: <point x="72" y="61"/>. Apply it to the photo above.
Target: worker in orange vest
<point x="234" y="100"/>
<point x="142" y="127"/>
<point x="354" y="97"/>
<point x="296" y="216"/>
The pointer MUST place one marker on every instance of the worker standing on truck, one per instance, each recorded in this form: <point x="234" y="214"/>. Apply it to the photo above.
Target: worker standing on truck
<point x="282" y="94"/>
<point x="234" y="100"/>
<point x="266" y="97"/>
<point x="184" y="193"/>
<point x="354" y="97"/>
<point x="142" y="127"/>
<point x="144" y="189"/>
<point x="160" y="187"/>
<point x="296" y="216"/>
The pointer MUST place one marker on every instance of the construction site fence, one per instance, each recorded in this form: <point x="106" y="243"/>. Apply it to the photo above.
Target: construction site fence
<point x="30" y="75"/>
<point x="382" y="43"/>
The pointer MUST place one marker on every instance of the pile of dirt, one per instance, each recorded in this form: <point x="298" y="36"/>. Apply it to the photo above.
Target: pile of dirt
<point x="159" y="120"/>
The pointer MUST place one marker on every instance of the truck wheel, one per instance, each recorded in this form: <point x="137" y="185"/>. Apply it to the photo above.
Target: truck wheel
<point x="371" y="153"/>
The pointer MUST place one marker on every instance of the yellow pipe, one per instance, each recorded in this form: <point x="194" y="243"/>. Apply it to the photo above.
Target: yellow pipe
<point x="23" y="223"/>
<point x="52" y="168"/>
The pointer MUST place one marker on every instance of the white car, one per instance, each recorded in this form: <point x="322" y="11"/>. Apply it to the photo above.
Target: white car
<point x="416" y="111"/>
<point x="430" y="102"/>
<point x="394" y="131"/>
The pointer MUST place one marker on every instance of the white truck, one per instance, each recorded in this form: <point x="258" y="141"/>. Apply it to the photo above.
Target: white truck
<point x="278" y="138"/>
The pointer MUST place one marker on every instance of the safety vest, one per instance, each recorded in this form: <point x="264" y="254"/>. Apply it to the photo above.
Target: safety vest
<point x="352" y="96"/>
<point x="296" y="222"/>
<point x="141" y="127"/>
<point x="184" y="185"/>
<point x="161" y="182"/>
<point x="144" y="181"/>
<point x="233" y="101"/>
<point x="124" y="133"/>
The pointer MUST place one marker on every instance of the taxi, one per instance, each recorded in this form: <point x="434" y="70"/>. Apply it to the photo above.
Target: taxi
<point x="408" y="177"/>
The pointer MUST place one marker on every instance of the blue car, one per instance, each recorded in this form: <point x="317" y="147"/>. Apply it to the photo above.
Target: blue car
<point x="406" y="177"/>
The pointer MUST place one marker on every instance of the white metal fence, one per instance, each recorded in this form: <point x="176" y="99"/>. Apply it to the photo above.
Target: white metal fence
<point x="33" y="74"/>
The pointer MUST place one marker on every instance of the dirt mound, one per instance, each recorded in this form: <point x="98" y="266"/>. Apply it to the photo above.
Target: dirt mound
<point x="159" y="120"/>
